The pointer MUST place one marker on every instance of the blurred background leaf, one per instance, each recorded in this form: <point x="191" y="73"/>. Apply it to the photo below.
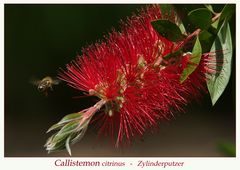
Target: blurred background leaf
<point x="227" y="149"/>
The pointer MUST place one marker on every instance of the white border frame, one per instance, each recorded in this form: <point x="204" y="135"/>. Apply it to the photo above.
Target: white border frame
<point x="190" y="163"/>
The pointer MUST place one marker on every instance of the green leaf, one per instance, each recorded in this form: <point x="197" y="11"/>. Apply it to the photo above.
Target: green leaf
<point x="201" y="18"/>
<point x="205" y="35"/>
<point x="55" y="127"/>
<point x="68" y="146"/>
<point x="49" y="140"/>
<point x="174" y="54"/>
<point x="167" y="29"/>
<point x="181" y="26"/>
<point x="215" y="24"/>
<point x="70" y="117"/>
<point x="227" y="12"/>
<point x="65" y="131"/>
<point x="227" y="148"/>
<point x="217" y="82"/>
<point x="79" y="135"/>
<point x="57" y="146"/>
<point x="66" y="119"/>
<point x="209" y="7"/>
<point x="167" y="10"/>
<point x="193" y="61"/>
<point x="206" y="38"/>
<point x="70" y="127"/>
<point x="52" y="145"/>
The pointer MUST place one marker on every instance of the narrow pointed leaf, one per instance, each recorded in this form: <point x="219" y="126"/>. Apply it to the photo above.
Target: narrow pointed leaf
<point x="70" y="117"/>
<point x="66" y="119"/>
<point x="215" y="24"/>
<point x="193" y="61"/>
<point x="67" y="145"/>
<point x="217" y="82"/>
<point x="55" y="127"/>
<point x="49" y="140"/>
<point x="56" y="146"/>
<point x="68" y="128"/>
<point x="80" y="135"/>
<point x="209" y="7"/>
<point x="65" y="132"/>
<point x="227" y="12"/>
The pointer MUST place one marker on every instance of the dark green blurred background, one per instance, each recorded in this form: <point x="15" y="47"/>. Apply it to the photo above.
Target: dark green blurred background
<point x="41" y="38"/>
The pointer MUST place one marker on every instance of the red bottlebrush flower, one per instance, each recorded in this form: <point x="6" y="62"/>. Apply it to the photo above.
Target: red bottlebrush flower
<point x="137" y="87"/>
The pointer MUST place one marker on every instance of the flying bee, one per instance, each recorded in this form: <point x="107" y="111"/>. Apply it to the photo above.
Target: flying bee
<point x="45" y="84"/>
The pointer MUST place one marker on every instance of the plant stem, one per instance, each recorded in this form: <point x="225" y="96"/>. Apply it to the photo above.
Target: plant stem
<point x="92" y="110"/>
<point x="215" y="18"/>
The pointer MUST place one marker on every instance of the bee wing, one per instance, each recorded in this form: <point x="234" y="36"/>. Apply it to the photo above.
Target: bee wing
<point x="56" y="81"/>
<point x="34" y="81"/>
